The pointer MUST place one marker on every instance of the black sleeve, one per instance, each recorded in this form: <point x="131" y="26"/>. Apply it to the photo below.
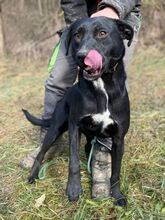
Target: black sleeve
<point x="73" y="10"/>
<point x="122" y="7"/>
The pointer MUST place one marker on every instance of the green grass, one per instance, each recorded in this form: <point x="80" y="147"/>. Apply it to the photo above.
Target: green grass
<point x="143" y="170"/>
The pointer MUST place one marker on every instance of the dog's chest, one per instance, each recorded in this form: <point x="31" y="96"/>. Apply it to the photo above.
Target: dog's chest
<point x="100" y="123"/>
<point x="102" y="102"/>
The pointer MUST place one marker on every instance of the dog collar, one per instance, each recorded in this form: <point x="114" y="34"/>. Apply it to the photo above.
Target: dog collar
<point x="114" y="67"/>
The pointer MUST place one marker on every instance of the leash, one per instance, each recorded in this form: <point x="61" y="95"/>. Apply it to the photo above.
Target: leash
<point x="43" y="170"/>
<point x="93" y="142"/>
<point x="45" y="166"/>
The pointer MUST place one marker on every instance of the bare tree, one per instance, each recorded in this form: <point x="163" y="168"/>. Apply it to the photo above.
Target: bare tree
<point x="28" y="28"/>
<point x="1" y="32"/>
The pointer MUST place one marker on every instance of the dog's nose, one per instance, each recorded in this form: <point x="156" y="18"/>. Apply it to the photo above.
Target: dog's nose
<point x="81" y="55"/>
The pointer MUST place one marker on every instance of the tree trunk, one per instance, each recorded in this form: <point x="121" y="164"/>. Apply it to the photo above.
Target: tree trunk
<point x="40" y="7"/>
<point x="1" y="34"/>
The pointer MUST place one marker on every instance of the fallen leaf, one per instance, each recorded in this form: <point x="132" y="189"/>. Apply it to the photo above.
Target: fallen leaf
<point x="40" y="201"/>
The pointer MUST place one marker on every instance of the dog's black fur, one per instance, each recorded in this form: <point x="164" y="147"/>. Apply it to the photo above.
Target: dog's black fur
<point x="74" y="112"/>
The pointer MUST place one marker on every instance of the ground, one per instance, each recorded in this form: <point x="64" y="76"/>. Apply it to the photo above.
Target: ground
<point x="143" y="170"/>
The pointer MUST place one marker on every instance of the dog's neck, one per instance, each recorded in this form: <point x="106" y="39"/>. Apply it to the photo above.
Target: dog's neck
<point x="114" y="79"/>
<point x="110" y="84"/>
<point x="101" y="96"/>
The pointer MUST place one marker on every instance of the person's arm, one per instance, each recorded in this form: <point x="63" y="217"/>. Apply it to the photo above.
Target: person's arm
<point x="121" y="7"/>
<point x="73" y="10"/>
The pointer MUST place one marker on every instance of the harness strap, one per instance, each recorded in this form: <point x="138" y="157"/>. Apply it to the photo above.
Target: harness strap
<point x="106" y="142"/>
<point x="93" y="142"/>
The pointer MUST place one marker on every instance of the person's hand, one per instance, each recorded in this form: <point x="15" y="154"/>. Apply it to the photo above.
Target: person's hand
<point x="106" y="12"/>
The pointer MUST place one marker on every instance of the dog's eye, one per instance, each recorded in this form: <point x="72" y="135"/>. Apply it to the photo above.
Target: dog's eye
<point x="102" y="34"/>
<point x="77" y="37"/>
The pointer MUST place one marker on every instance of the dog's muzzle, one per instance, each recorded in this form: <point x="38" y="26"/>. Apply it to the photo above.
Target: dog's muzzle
<point x="93" y="65"/>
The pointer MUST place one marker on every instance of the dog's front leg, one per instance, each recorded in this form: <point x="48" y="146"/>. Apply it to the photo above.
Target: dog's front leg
<point x="117" y="154"/>
<point x="74" y="186"/>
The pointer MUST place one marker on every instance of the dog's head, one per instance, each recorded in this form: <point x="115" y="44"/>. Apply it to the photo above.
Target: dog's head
<point x="97" y="44"/>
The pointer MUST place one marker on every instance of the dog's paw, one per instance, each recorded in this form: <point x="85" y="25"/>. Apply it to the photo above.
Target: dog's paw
<point x="121" y="201"/>
<point x="31" y="179"/>
<point x="73" y="191"/>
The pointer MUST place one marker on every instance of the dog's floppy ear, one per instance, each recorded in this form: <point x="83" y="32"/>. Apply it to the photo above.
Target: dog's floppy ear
<point x="68" y="38"/>
<point x="126" y="31"/>
<point x="69" y="33"/>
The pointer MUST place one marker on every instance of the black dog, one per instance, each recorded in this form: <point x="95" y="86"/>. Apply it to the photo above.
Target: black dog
<point x="98" y="104"/>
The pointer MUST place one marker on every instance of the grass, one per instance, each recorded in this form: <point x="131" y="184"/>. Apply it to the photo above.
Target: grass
<point x="143" y="170"/>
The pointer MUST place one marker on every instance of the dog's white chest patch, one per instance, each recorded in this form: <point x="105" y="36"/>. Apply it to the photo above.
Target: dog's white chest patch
<point x="103" y="117"/>
<point x="99" y="84"/>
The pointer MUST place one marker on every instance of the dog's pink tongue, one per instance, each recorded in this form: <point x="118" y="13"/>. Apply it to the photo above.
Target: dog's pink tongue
<point x="93" y="60"/>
